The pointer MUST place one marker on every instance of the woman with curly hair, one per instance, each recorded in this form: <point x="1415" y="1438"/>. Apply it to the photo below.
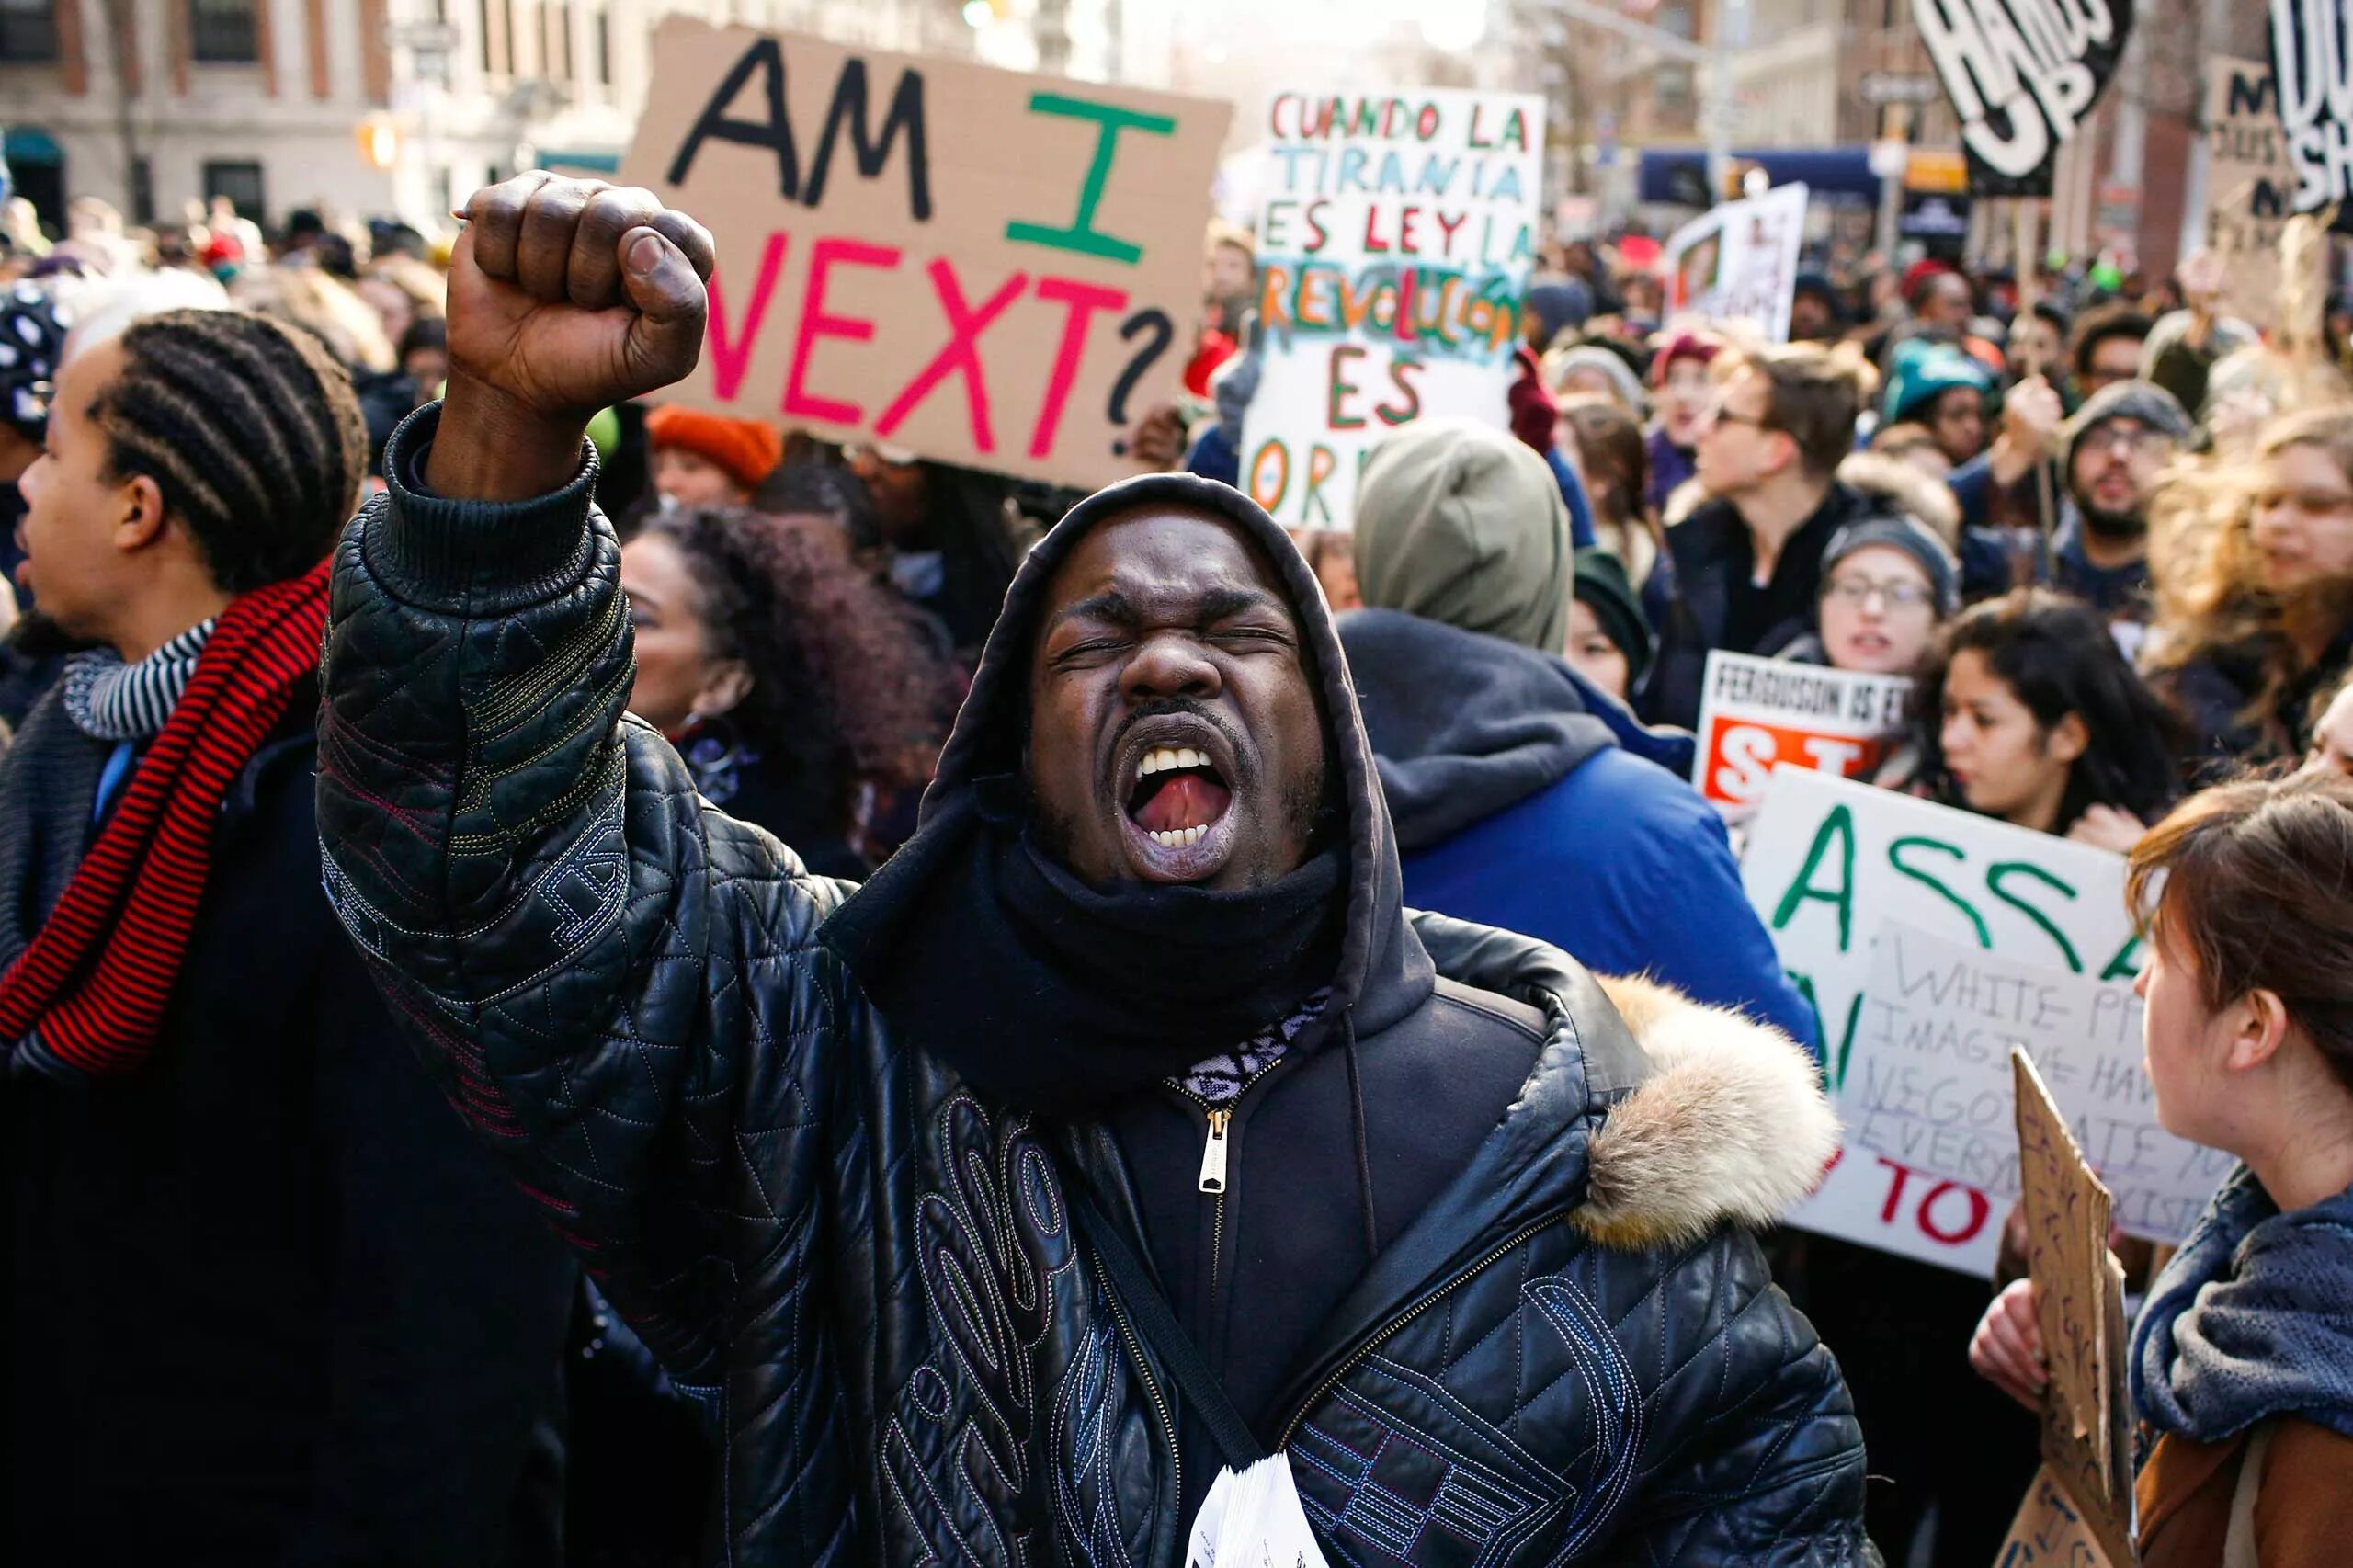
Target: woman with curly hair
<point x="2255" y="609"/>
<point x="793" y="685"/>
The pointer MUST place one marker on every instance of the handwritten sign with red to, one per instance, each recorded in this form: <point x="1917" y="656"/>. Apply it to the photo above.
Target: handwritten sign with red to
<point x="987" y="269"/>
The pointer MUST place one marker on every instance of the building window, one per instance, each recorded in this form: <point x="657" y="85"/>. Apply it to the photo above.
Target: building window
<point x="223" y="32"/>
<point x="603" y="23"/>
<point x="27" y="32"/>
<point x="142" y="191"/>
<point x="241" y="183"/>
<point x="493" y="32"/>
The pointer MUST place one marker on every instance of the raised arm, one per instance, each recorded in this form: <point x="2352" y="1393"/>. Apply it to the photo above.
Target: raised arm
<point x="588" y="956"/>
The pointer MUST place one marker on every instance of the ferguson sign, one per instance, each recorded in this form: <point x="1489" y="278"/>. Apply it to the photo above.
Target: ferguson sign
<point x="2021" y="74"/>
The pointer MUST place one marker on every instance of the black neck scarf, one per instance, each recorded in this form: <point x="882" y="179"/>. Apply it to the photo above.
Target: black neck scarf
<point x="1057" y="997"/>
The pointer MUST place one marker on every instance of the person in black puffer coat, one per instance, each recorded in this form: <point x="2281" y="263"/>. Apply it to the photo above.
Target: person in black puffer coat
<point x="1459" y="1228"/>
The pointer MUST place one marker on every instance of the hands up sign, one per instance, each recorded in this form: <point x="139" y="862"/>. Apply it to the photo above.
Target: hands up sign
<point x="2022" y="75"/>
<point x="2315" y="81"/>
<point x="991" y="269"/>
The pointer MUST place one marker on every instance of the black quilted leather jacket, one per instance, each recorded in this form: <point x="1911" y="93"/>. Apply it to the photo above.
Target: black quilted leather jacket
<point x="1574" y="1355"/>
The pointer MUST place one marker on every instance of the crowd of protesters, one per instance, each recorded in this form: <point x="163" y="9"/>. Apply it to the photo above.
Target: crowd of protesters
<point x="266" y="1299"/>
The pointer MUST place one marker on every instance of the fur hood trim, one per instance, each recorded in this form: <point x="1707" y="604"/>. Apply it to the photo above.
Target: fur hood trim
<point x="1891" y="481"/>
<point x="1731" y="1125"/>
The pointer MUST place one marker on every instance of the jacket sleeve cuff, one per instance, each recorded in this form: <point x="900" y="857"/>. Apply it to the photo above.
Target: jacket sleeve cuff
<point x="474" y="558"/>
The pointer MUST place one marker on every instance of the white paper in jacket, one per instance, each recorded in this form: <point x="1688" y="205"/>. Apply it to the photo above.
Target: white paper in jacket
<point x="1253" y="1520"/>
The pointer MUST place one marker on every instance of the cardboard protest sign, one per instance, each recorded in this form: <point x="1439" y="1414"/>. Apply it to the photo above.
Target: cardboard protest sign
<point x="1738" y="262"/>
<point x="1394" y="243"/>
<point x="2249" y="183"/>
<point x="2049" y="1531"/>
<point x="987" y="269"/>
<point x="1829" y="863"/>
<point x="1756" y="712"/>
<point x="2315" y="98"/>
<point x="2022" y="76"/>
<point x="2079" y="1306"/>
<point x="1927" y="1077"/>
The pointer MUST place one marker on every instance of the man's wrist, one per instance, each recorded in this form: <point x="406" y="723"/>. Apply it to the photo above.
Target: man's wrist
<point x="490" y="446"/>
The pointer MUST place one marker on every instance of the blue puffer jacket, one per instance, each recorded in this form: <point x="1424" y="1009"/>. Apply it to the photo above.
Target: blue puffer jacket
<point x="1569" y="1352"/>
<point x="1526" y="798"/>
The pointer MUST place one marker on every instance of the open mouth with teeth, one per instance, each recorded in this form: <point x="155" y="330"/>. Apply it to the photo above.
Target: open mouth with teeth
<point x="1178" y="815"/>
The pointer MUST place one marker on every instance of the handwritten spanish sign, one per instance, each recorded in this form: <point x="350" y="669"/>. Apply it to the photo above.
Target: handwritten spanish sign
<point x="1928" y="1080"/>
<point x="2308" y="65"/>
<point x="1754" y="713"/>
<point x="1394" y="243"/>
<point x="2022" y="76"/>
<point x="1737" y="263"/>
<point x="987" y="269"/>
<point x="1829" y="863"/>
<point x="2079" y="1306"/>
<point x="2250" y="184"/>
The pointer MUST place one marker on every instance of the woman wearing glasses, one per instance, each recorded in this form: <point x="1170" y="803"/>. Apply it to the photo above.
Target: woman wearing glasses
<point x="1887" y="584"/>
<point x="2256" y="608"/>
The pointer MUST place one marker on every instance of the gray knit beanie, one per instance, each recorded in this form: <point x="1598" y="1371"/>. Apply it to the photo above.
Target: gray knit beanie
<point x="2144" y="401"/>
<point x="1897" y="531"/>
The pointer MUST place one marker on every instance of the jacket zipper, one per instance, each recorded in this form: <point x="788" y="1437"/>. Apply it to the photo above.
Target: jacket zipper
<point x="1215" y="1144"/>
<point x="1365" y="1347"/>
<point x="1143" y="1373"/>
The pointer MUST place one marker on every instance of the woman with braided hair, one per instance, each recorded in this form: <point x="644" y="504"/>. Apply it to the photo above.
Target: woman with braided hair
<point x="244" y="1240"/>
<point x="801" y="693"/>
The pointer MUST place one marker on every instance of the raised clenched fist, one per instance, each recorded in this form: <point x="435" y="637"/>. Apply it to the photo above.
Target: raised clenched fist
<point x="565" y="297"/>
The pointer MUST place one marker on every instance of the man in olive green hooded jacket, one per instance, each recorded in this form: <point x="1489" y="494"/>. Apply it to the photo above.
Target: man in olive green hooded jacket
<point x="1523" y="795"/>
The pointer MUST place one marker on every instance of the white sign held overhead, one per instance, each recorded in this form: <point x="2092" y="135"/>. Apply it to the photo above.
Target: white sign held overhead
<point x="1738" y="262"/>
<point x="1396" y="233"/>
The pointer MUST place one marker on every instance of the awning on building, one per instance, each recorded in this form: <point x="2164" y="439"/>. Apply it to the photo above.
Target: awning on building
<point x="1679" y="174"/>
<point x="584" y="162"/>
<point x="31" y="144"/>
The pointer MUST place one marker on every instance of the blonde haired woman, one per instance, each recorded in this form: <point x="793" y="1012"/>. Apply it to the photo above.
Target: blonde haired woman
<point x="2255" y="611"/>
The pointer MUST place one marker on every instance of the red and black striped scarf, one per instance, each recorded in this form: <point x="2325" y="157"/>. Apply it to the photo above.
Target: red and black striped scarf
<point x="87" y="995"/>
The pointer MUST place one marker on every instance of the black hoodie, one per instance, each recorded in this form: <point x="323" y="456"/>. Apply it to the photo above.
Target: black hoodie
<point x="1429" y="1066"/>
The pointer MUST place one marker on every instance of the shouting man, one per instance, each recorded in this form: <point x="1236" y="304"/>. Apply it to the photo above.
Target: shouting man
<point x="873" y="1173"/>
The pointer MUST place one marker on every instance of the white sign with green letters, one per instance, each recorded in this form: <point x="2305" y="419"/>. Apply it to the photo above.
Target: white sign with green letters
<point x="1829" y="864"/>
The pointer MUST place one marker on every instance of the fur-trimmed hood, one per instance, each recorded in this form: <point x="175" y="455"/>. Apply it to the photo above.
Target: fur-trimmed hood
<point x="1732" y="1126"/>
<point x="1897" y="485"/>
<point x="1669" y="1118"/>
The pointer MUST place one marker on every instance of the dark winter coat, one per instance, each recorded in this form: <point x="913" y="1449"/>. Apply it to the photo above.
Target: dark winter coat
<point x="1564" y="1351"/>
<point x="2216" y="693"/>
<point x="265" y="1303"/>
<point x="1707" y="554"/>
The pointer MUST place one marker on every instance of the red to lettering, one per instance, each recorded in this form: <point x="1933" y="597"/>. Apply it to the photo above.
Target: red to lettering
<point x="1976" y="1207"/>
